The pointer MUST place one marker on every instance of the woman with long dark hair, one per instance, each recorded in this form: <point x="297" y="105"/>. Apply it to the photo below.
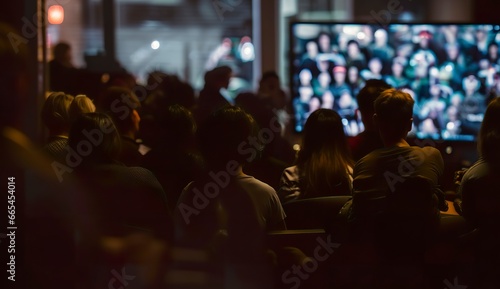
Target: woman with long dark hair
<point x="323" y="166"/>
<point x="483" y="175"/>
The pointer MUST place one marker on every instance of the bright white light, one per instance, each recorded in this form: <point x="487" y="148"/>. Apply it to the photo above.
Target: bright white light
<point x="450" y="126"/>
<point x="361" y="35"/>
<point x="155" y="44"/>
<point x="449" y="67"/>
<point x="247" y="52"/>
<point x="350" y="29"/>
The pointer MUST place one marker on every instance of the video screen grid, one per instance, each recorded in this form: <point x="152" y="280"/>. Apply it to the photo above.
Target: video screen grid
<point x="451" y="70"/>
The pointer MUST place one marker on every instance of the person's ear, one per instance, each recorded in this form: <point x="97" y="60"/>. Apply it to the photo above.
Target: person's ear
<point x="409" y="125"/>
<point x="136" y="119"/>
<point x="375" y="119"/>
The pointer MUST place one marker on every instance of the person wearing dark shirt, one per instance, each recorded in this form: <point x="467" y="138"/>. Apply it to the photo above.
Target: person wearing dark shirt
<point x="396" y="199"/>
<point x="63" y="74"/>
<point x="369" y="139"/>
<point x="214" y="93"/>
<point x="173" y="158"/>
<point x="122" y="105"/>
<point x="379" y="173"/>
<point x="124" y="199"/>
<point x="55" y="116"/>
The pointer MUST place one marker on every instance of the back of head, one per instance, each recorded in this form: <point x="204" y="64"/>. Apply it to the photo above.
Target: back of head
<point x="81" y="104"/>
<point x="60" y="51"/>
<point x="218" y="76"/>
<point x="489" y="135"/>
<point x="55" y="112"/>
<point x="13" y="75"/>
<point x="324" y="158"/>
<point x="178" y="126"/>
<point x="367" y="95"/>
<point x="119" y="103"/>
<point x="94" y="137"/>
<point x="323" y="128"/>
<point x="226" y="135"/>
<point x="271" y="74"/>
<point x="394" y="112"/>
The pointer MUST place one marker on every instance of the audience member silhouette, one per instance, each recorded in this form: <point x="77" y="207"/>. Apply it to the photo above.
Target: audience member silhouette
<point x="277" y="153"/>
<point x="81" y="104"/>
<point x="323" y="167"/>
<point x="56" y="117"/>
<point x="124" y="199"/>
<point x="377" y="174"/>
<point x="173" y="158"/>
<point x="64" y="76"/>
<point x="214" y="93"/>
<point x="47" y="214"/>
<point x="170" y="89"/>
<point x="225" y="199"/>
<point x="484" y="170"/>
<point x="123" y="106"/>
<point x="369" y="139"/>
<point x="396" y="199"/>
<point x="480" y="201"/>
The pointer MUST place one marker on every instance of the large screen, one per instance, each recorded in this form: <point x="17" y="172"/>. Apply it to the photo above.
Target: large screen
<point x="451" y="70"/>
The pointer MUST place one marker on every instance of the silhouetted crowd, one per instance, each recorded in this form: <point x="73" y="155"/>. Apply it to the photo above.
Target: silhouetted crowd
<point x="157" y="186"/>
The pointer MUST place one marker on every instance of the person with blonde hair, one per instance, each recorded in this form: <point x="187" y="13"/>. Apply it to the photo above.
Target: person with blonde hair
<point x="55" y="116"/>
<point x="80" y="104"/>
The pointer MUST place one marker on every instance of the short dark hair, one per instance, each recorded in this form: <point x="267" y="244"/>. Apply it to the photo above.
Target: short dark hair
<point x="119" y="102"/>
<point x="222" y="136"/>
<point x="367" y="95"/>
<point x="214" y="75"/>
<point x="394" y="106"/>
<point x="96" y="123"/>
<point x="60" y="49"/>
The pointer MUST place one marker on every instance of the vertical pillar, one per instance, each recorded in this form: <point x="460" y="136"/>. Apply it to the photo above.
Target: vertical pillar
<point x="265" y="15"/>
<point x="108" y="10"/>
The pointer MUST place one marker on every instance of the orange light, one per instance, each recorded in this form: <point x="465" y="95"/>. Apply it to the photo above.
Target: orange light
<point x="55" y="14"/>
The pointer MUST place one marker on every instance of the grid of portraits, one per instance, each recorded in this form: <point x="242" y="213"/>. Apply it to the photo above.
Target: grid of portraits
<point x="451" y="71"/>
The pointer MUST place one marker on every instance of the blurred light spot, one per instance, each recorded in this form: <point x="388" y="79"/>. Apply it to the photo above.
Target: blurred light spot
<point x="361" y="35"/>
<point x="155" y="44"/>
<point x="247" y="52"/>
<point x="55" y="14"/>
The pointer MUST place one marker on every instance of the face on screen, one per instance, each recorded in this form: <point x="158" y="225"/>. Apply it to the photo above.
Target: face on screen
<point x="451" y="70"/>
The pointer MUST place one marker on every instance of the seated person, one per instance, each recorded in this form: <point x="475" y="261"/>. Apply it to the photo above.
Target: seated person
<point x="55" y="116"/>
<point x="220" y="142"/>
<point x="369" y="139"/>
<point x="480" y="198"/>
<point x="378" y="174"/>
<point x="123" y="199"/>
<point x="122" y="105"/>
<point x="323" y="167"/>
<point x="226" y="212"/>
<point x="173" y="158"/>
<point x="64" y="76"/>
<point x="80" y="104"/>
<point x="484" y="170"/>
